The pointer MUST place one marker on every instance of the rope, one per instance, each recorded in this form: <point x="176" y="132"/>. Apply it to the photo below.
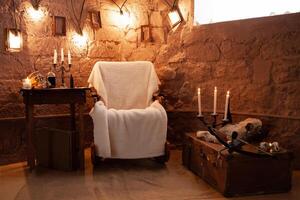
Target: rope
<point x="167" y="2"/>
<point x="36" y="3"/>
<point x="120" y="7"/>
<point x="174" y="3"/>
<point x="14" y="14"/>
<point x="78" y="20"/>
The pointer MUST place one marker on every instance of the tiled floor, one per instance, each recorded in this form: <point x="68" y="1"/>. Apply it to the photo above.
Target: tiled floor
<point x="138" y="180"/>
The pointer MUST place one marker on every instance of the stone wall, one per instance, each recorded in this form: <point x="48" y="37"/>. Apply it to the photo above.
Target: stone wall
<point x="114" y="41"/>
<point x="111" y="42"/>
<point x="258" y="60"/>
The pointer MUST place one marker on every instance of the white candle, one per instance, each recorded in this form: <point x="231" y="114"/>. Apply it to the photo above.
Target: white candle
<point x="215" y="100"/>
<point x="199" y="102"/>
<point x="226" y="105"/>
<point x="69" y="58"/>
<point x="62" y="55"/>
<point x="55" y="57"/>
<point x="27" y="83"/>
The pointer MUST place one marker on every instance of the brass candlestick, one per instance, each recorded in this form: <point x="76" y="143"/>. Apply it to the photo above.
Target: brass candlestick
<point x="62" y="69"/>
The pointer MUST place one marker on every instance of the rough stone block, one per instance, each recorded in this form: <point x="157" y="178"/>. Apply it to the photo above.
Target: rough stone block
<point x="167" y="73"/>
<point x="131" y="36"/>
<point x="158" y="35"/>
<point x="286" y="71"/>
<point x="203" y="52"/>
<point x="178" y="58"/>
<point x="109" y="33"/>
<point x="104" y="50"/>
<point x="156" y="19"/>
<point x="261" y="71"/>
<point x="147" y="53"/>
<point x="233" y="50"/>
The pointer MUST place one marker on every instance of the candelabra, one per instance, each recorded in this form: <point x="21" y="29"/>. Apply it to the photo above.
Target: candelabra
<point x="234" y="144"/>
<point x="211" y="127"/>
<point x="62" y="69"/>
<point x="227" y="119"/>
<point x="214" y="123"/>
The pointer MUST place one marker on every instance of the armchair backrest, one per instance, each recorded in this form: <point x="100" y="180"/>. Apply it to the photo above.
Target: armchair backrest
<point x="125" y="85"/>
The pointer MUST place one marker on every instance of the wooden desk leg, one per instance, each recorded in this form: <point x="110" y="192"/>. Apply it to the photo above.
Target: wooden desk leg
<point x="81" y="136"/>
<point x="29" y="132"/>
<point x="73" y="137"/>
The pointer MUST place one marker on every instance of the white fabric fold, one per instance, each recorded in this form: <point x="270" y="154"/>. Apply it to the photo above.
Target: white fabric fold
<point x="127" y="123"/>
<point x="135" y="133"/>
<point x="101" y="134"/>
<point x="125" y="85"/>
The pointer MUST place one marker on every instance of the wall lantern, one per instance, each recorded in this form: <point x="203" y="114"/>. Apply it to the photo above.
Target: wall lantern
<point x="36" y="14"/>
<point x="124" y="19"/>
<point x="175" y="17"/>
<point x="124" y="16"/>
<point x="36" y="4"/>
<point x="14" y="40"/>
<point x="80" y="40"/>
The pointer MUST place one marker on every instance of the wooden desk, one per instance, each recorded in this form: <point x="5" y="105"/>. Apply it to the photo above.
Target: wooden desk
<point x="71" y="96"/>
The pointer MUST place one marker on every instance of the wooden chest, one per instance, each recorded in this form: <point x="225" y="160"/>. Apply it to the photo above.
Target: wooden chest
<point x="236" y="174"/>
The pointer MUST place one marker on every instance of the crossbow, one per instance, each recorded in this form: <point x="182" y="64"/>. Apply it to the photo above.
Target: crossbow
<point x="236" y="144"/>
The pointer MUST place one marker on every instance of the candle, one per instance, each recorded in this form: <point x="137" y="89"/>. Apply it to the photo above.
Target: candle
<point x="62" y="55"/>
<point x="69" y="58"/>
<point x="26" y="83"/>
<point x="199" y="102"/>
<point x="215" y="101"/>
<point x="226" y="105"/>
<point x="55" y="57"/>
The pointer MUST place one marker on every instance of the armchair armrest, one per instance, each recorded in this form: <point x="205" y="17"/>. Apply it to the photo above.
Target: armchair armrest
<point x="160" y="97"/>
<point x="94" y="95"/>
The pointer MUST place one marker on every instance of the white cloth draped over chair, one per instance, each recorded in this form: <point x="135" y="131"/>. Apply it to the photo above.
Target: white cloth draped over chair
<point x="127" y="123"/>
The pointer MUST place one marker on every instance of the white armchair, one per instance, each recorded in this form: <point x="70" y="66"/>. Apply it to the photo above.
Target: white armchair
<point x="128" y="124"/>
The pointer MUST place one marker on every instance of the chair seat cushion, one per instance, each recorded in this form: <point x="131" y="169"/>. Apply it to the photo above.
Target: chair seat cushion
<point x="134" y="133"/>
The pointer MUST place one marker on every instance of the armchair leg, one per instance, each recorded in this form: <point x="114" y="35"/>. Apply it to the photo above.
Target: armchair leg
<point x="160" y="159"/>
<point x="95" y="159"/>
<point x="164" y="158"/>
